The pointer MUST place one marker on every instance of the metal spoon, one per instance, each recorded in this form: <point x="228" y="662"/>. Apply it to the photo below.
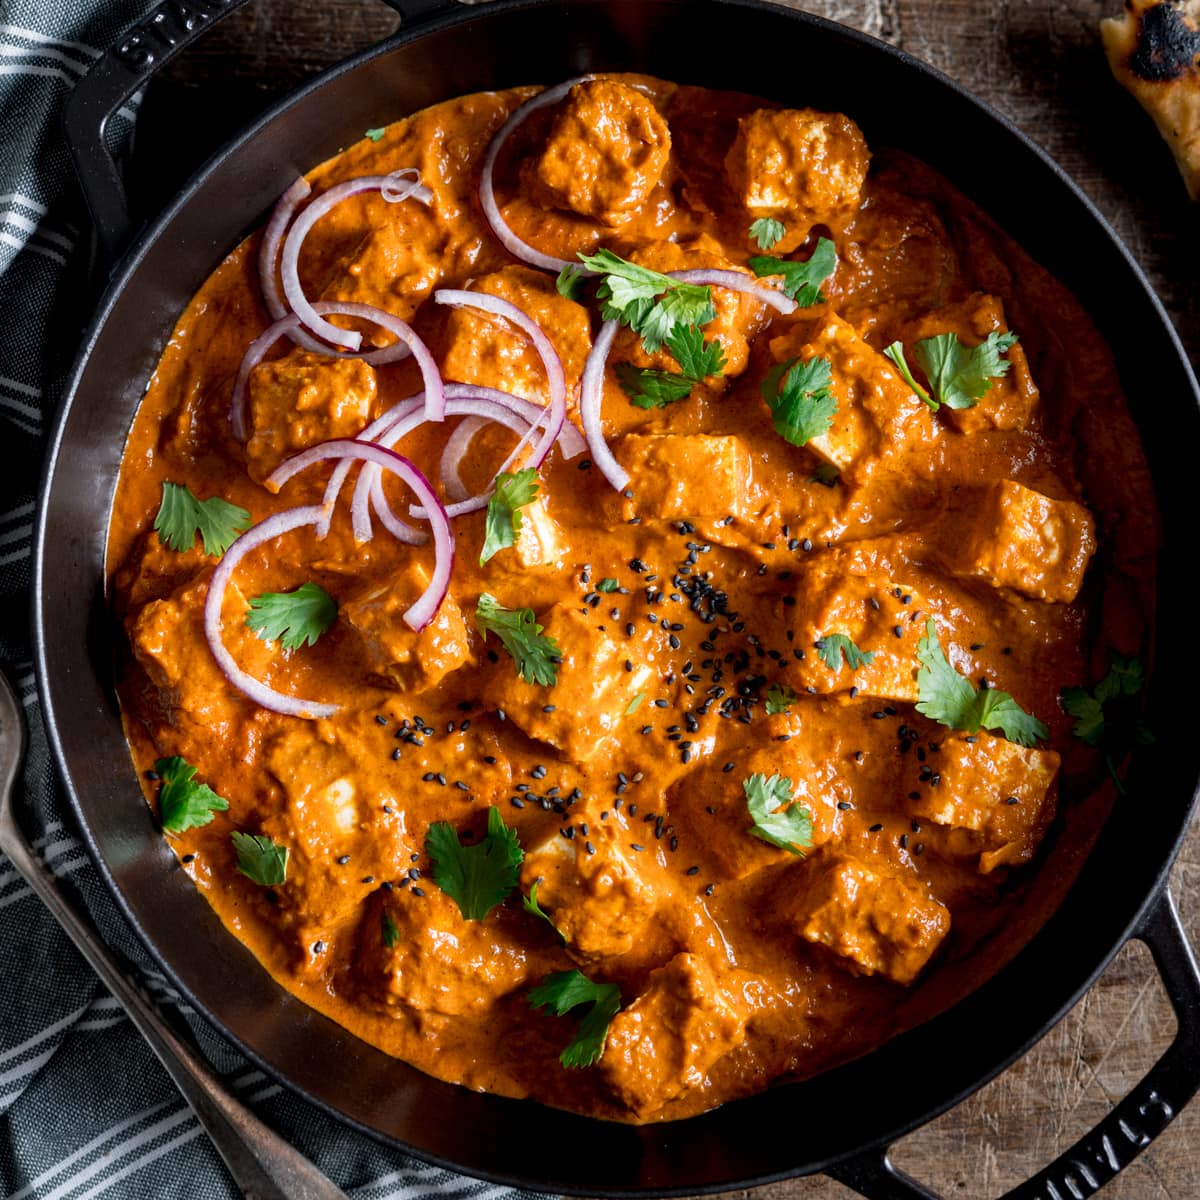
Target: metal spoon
<point x="262" y="1164"/>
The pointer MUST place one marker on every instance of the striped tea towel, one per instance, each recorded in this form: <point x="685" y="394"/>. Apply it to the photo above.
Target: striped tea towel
<point x="66" y="1132"/>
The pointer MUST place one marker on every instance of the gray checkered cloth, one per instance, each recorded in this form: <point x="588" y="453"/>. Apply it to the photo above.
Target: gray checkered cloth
<point x="85" y="1108"/>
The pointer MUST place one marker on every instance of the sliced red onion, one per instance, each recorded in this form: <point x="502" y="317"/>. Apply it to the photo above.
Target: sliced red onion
<point x="551" y="363"/>
<point x="422" y="611"/>
<point x="455" y="450"/>
<point x="397" y="186"/>
<point x="407" y="343"/>
<point x="272" y="241"/>
<point x="487" y="193"/>
<point x="735" y="281"/>
<point x="591" y="397"/>
<point x="265" y="531"/>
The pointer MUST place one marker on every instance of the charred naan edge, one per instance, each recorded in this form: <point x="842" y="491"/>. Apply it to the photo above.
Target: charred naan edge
<point x="1154" y="51"/>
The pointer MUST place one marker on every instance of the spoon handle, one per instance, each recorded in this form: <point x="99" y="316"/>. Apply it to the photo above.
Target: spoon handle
<point x="263" y="1165"/>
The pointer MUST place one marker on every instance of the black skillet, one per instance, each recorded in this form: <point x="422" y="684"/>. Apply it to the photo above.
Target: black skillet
<point x="843" y="1121"/>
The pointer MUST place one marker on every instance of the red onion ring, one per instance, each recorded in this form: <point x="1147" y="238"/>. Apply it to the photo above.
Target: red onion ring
<point x="591" y="397"/>
<point x="265" y="531"/>
<point x="455" y="450"/>
<point x="423" y="609"/>
<point x="487" y="193"/>
<point x="735" y="281"/>
<point x="272" y="243"/>
<point x="399" y="185"/>
<point x="407" y="343"/>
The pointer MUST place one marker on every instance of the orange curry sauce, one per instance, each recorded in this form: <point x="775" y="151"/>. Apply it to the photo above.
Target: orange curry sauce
<point x="1023" y="526"/>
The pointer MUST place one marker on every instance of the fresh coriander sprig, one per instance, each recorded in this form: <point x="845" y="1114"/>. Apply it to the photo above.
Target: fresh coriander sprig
<point x="780" y="699"/>
<point x="766" y="231"/>
<point x="261" y="860"/>
<point x="389" y="931"/>
<point x="776" y="819"/>
<point x="567" y="990"/>
<point x="536" y="656"/>
<point x="295" y="618"/>
<point x="801" y="280"/>
<point x="181" y="516"/>
<point x="647" y="387"/>
<point x="799" y="397"/>
<point x="959" y="375"/>
<point x="951" y="699"/>
<point x="479" y="876"/>
<point x="1106" y="714"/>
<point x="833" y="647"/>
<point x="182" y="803"/>
<point x="514" y="489"/>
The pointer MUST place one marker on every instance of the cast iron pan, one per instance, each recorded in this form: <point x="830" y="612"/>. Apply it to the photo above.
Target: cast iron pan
<point x="841" y="1122"/>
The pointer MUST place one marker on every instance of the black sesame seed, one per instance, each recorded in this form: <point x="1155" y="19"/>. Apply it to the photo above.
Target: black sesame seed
<point x="343" y="859"/>
<point x="187" y="858"/>
<point x="875" y="828"/>
<point x="516" y="801"/>
<point x="589" y="847"/>
<point x="318" y="947"/>
<point x="418" y="891"/>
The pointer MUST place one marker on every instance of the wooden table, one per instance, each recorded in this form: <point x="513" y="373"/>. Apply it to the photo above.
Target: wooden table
<point x="1040" y="63"/>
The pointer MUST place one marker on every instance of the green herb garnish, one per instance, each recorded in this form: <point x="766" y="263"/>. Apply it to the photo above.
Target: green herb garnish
<point x="801" y="280"/>
<point x="951" y="699"/>
<point x="567" y="990"/>
<point x="570" y="282"/>
<point x="479" y="876"/>
<point x="181" y="516"/>
<point x="261" y="860"/>
<point x="535" y="655"/>
<point x="766" y="231"/>
<point x="389" y="931"/>
<point x="514" y="489"/>
<point x="374" y="134"/>
<point x="834" y="646"/>
<point x="608" y="584"/>
<point x="293" y="619"/>
<point x="779" y="699"/>
<point x="959" y="375"/>
<point x="182" y="803"/>
<point x="531" y="906"/>
<point x="789" y="828"/>
<point x="1106" y="715"/>
<point x="636" y="703"/>
<point x="799" y="397"/>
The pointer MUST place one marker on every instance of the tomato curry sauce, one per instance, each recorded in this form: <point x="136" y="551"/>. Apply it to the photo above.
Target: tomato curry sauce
<point x="742" y="815"/>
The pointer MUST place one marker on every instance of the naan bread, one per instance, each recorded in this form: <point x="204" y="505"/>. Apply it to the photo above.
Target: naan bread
<point x="1154" y="51"/>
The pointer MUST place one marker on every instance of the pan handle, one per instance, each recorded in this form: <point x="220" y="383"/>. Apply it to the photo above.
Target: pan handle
<point x="1083" y="1169"/>
<point x="114" y="77"/>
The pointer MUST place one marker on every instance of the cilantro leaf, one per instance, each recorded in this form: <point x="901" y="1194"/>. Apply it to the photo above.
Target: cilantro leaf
<point x="570" y="282"/>
<point x="779" y="699"/>
<point x="389" y="931"/>
<point x="293" y="619"/>
<point x="798" y="395"/>
<point x="960" y="376"/>
<point x="530" y="905"/>
<point x="535" y="655"/>
<point x="647" y="387"/>
<point x="636" y="703"/>
<point x="789" y="828"/>
<point x="607" y="584"/>
<point x="696" y="357"/>
<point x="631" y="295"/>
<point x="834" y="646"/>
<point x="896" y="353"/>
<point x="261" y="860"/>
<point x="950" y="699"/>
<point x="801" y="280"/>
<point x="513" y="491"/>
<point x="374" y="134"/>
<point x="1106" y="717"/>
<point x="567" y="990"/>
<point x="826" y="474"/>
<point x="182" y="803"/>
<point x="181" y="516"/>
<point x="476" y="877"/>
<point x="766" y="231"/>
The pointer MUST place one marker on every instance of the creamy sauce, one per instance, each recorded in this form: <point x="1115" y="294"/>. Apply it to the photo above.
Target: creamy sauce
<point x="1023" y="526"/>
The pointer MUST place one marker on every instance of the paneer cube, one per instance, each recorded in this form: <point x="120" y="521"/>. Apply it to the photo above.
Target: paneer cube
<point x="488" y="351"/>
<point x="800" y="166"/>
<point x="867" y="609"/>
<point x="432" y="964"/>
<point x="600" y="903"/>
<point x="606" y="152"/>
<point x="302" y="399"/>
<point x="991" y="787"/>
<point x="1012" y="398"/>
<point x="666" y="1041"/>
<point x="676" y="476"/>
<point x="1017" y="538"/>
<point x="876" y="409"/>
<point x="403" y="658"/>
<point x="593" y="689"/>
<point x="873" y="921"/>
<point x="540" y="541"/>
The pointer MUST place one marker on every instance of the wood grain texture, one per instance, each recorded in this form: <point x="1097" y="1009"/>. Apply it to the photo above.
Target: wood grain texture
<point x="1038" y="62"/>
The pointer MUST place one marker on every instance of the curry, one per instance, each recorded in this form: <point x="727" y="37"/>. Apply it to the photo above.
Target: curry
<point x="709" y="707"/>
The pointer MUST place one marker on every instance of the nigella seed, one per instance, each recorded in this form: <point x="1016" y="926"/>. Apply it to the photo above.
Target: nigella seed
<point x="417" y="891"/>
<point x="387" y="885"/>
<point x="318" y="947"/>
<point x="516" y="801"/>
<point x="368" y="879"/>
<point x="712" y="887"/>
<point x="692" y="871"/>
<point x="589" y="847"/>
<point x="727" y="767"/>
<point x="414" y="872"/>
<point x="636" y="846"/>
<point x="343" y="859"/>
<point x="396" y="754"/>
<point x="875" y="828"/>
<point x="187" y="858"/>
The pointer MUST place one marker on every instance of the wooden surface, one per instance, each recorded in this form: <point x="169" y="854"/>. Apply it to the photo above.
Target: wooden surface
<point x="1040" y="63"/>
